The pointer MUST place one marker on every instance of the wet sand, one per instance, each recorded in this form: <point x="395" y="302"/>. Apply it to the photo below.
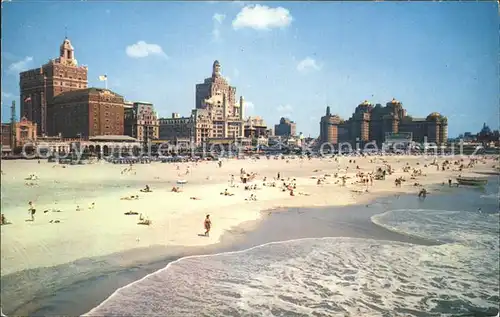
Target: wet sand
<point x="76" y="287"/>
<point x="56" y="291"/>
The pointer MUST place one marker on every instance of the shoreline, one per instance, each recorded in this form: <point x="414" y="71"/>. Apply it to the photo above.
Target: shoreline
<point x="119" y="272"/>
<point x="249" y="219"/>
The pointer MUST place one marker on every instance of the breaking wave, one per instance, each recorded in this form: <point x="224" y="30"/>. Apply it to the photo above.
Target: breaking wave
<point x="334" y="276"/>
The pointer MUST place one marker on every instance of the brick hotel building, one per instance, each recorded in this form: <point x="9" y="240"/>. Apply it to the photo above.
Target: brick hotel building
<point x="56" y="97"/>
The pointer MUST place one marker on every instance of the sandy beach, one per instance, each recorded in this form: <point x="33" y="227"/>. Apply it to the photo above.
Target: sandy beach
<point x="83" y="231"/>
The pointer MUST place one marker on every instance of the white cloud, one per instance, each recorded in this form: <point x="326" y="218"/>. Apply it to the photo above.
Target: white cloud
<point x="21" y="65"/>
<point x="142" y="49"/>
<point x="219" y="17"/>
<point x="261" y="17"/>
<point x="308" y="64"/>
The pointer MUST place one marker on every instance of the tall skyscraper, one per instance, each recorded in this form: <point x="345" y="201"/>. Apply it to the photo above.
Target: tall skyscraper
<point x="39" y="86"/>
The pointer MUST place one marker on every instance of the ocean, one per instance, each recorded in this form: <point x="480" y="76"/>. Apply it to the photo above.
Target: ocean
<point x="438" y="257"/>
<point x="396" y="256"/>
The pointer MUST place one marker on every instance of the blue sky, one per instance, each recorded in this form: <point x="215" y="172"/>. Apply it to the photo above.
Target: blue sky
<point x="286" y="58"/>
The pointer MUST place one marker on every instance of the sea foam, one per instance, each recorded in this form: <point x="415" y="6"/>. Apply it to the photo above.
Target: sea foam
<point x="333" y="276"/>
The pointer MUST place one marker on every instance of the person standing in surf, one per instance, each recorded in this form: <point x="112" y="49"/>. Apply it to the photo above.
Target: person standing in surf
<point x="208" y="225"/>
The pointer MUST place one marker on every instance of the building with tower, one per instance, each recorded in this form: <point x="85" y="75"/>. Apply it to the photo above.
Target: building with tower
<point x="56" y="97"/>
<point x="329" y="127"/>
<point x="17" y="134"/>
<point x="39" y="86"/>
<point x="379" y="124"/>
<point x="217" y="117"/>
<point x="224" y="112"/>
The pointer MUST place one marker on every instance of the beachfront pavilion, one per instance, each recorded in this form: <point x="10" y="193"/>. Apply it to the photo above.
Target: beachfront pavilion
<point x="101" y="144"/>
<point x="106" y="144"/>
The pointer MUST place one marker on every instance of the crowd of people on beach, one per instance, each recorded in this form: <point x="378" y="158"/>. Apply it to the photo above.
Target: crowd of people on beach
<point x="361" y="180"/>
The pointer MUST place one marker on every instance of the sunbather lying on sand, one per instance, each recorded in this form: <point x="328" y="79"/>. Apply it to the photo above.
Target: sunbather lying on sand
<point x="226" y="193"/>
<point x="176" y="189"/>
<point x="52" y="209"/>
<point x="194" y="198"/>
<point x="55" y="221"/>
<point x="251" y="198"/>
<point x="133" y="197"/>
<point x="128" y="213"/>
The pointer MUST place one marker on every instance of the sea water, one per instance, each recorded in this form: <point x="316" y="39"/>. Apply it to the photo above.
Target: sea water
<point x="339" y="276"/>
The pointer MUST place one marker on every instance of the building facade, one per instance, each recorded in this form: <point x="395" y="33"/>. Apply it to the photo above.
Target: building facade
<point x="255" y="127"/>
<point x="87" y="112"/>
<point x="25" y="132"/>
<point x="39" y="86"/>
<point x="286" y="127"/>
<point x="216" y="84"/>
<point x="176" y="128"/>
<point x="141" y="121"/>
<point x="217" y="117"/>
<point x="224" y="112"/>
<point x="329" y="128"/>
<point x="373" y="123"/>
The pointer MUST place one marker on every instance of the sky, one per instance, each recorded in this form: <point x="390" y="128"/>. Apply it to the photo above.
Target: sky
<point x="287" y="59"/>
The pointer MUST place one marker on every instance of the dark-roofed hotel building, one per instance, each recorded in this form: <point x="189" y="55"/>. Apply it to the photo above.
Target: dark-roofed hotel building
<point x="87" y="112"/>
<point x="377" y="123"/>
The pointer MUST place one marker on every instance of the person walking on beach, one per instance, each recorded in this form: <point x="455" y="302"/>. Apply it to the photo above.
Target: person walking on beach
<point x="208" y="225"/>
<point x="31" y="210"/>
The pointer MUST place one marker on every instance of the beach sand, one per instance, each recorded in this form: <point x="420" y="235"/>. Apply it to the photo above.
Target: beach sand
<point x="76" y="288"/>
<point x="176" y="219"/>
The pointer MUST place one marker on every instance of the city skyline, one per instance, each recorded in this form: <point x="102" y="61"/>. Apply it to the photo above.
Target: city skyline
<point x="274" y="53"/>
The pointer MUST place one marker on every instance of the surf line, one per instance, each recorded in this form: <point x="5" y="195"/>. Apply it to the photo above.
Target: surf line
<point x="219" y="254"/>
<point x="375" y="220"/>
